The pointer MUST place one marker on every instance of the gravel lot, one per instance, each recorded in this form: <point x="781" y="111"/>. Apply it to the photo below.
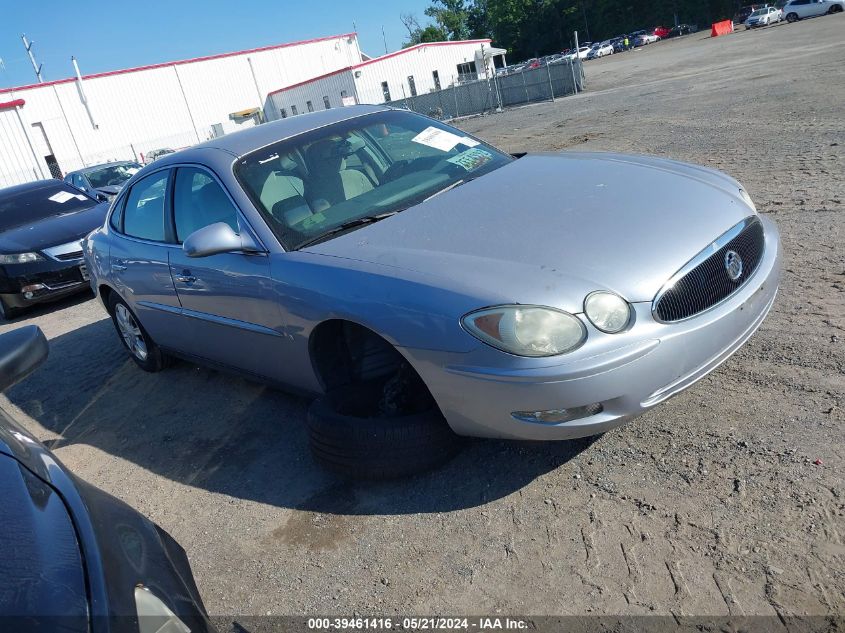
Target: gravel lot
<point x="727" y="500"/>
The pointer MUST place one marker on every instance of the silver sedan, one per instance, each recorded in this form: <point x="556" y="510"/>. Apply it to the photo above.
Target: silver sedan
<point x="424" y="285"/>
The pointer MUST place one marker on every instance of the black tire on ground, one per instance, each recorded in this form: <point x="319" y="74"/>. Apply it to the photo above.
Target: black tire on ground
<point x="377" y="447"/>
<point x="155" y="360"/>
<point x="792" y="17"/>
<point x="835" y="9"/>
<point x="7" y="313"/>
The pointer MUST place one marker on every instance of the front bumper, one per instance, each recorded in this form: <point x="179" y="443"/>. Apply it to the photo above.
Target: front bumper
<point x="24" y="285"/>
<point x="627" y="374"/>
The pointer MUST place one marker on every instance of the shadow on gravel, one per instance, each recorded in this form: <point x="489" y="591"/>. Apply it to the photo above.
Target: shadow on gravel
<point x="210" y="430"/>
<point x="43" y="309"/>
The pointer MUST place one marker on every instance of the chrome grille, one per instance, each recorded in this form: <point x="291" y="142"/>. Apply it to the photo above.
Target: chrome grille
<point x="706" y="281"/>
<point x="65" y="252"/>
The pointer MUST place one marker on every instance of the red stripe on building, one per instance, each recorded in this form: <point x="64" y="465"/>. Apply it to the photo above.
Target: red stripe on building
<point x="17" y="103"/>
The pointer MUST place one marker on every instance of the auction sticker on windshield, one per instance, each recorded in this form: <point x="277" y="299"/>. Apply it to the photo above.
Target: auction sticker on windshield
<point x="437" y="138"/>
<point x="471" y="159"/>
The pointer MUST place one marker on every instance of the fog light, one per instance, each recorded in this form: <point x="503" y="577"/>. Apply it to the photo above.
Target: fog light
<point x="558" y="416"/>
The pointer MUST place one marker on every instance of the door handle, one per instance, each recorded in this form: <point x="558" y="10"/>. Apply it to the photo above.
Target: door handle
<point x="186" y="277"/>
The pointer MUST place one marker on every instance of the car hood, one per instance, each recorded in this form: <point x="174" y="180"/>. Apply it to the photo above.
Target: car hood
<point x="550" y="228"/>
<point x="57" y="229"/>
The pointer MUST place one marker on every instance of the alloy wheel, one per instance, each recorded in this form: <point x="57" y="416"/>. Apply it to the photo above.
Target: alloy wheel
<point x="131" y="332"/>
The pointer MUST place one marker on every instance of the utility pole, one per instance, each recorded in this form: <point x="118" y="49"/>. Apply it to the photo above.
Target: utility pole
<point x="384" y="37"/>
<point x="35" y="65"/>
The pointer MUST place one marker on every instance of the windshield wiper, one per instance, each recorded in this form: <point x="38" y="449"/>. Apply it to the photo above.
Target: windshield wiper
<point x="457" y="183"/>
<point x="351" y="224"/>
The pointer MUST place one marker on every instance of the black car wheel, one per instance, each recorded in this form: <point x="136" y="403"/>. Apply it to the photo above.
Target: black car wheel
<point x="792" y="17"/>
<point x="834" y="9"/>
<point x="348" y="440"/>
<point x="143" y="350"/>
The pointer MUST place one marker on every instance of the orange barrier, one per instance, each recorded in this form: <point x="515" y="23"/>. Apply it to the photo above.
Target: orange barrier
<point x="722" y="28"/>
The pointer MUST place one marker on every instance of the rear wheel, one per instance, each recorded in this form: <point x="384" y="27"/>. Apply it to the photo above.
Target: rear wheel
<point x="792" y="17"/>
<point x="835" y="9"/>
<point x="141" y="347"/>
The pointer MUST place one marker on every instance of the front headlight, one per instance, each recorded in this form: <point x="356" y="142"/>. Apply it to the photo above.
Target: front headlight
<point x="19" y="258"/>
<point x="747" y="199"/>
<point x="607" y="311"/>
<point x="526" y="330"/>
<point x="154" y="616"/>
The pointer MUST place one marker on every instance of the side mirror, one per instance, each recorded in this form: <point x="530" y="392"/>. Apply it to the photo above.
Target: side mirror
<point x="218" y="238"/>
<point x="101" y="197"/>
<point x="21" y="352"/>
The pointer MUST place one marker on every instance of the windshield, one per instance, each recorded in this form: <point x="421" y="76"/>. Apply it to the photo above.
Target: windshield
<point x="112" y="174"/>
<point x="368" y="166"/>
<point x="19" y="207"/>
<point x="760" y="12"/>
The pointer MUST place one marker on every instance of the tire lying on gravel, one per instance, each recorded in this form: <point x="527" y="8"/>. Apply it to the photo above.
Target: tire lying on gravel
<point x="352" y="441"/>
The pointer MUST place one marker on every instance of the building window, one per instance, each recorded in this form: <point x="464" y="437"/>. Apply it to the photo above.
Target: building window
<point x="310" y="106"/>
<point x="293" y="110"/>
<point x="385" y="89"/>
<point x="412" y="85"/>
<point x="283" y="113"/>
<point x="466" y="72"/>
<point x="326" y="103"/>
<point x="436" y="76"/>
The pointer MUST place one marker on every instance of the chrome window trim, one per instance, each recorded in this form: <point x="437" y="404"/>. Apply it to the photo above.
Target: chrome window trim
<point x="699" y="259"/>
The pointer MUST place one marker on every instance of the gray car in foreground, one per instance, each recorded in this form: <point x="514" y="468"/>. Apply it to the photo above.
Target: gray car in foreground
<point x="424" y="285"/>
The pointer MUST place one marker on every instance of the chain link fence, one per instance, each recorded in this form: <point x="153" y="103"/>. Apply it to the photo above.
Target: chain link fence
<point x="545" y="83"/>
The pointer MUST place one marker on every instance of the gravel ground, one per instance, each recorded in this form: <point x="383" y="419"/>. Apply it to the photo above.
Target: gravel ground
<point x="726" y="500"/>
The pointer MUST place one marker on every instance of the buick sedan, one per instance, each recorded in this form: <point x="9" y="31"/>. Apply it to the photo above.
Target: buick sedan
<point x="424" y="285"/>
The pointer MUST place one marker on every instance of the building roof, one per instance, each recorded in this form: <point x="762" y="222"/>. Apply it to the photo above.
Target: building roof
<point x="180" y="62"/>
<point x="373" y="60"/>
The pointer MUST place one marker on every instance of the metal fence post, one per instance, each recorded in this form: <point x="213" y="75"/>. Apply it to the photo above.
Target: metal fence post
<point x="498" y="93"/>
<point x="574" y="83"/>
<point x="551" y="85"/>
<point x="524" y="85"/>
<point x="455" y="90"/>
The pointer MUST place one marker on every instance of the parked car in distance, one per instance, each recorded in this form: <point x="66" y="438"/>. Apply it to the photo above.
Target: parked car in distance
<point x="42" y="225"/>
<point x="764" y="17"/>
<point x="799" y="9"/>
<point x="155" y="154"/>
<point x="600" y="49"/>
<point x="582" y="53"/>
<point x="395" y="264"/>
<point x="76" y="559"/>
<point x="661" y="31"/>
<point x="103" y="181"/>
<point x="646" y="38"/>
<point x="682" y="29"/>
<point x="744" y="11"/>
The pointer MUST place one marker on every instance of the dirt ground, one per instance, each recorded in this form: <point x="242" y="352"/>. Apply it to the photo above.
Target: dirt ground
<point x="727" y="500"/>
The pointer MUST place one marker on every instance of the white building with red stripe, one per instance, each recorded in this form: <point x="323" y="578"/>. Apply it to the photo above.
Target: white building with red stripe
<point x="394" y="76"/>
<point x="70" y="123"/>
<point x="58" y="126"/>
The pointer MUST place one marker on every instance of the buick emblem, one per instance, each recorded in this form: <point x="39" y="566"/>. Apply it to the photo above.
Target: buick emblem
<point x="733" y="265"/>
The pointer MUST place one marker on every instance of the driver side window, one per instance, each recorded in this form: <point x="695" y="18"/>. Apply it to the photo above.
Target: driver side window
<point x="198" y="201"/>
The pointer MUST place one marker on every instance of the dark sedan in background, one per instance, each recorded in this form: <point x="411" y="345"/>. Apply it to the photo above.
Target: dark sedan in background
<point x="103" y="181"/>
<point x="73" y="557"/>
<point x="42" y="225"/>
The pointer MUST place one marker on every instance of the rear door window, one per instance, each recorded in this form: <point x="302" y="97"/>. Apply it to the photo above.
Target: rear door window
<point x="143" y="214"/>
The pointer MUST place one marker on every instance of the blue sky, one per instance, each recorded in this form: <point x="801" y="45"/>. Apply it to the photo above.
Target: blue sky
<point x="113" y="35"/>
